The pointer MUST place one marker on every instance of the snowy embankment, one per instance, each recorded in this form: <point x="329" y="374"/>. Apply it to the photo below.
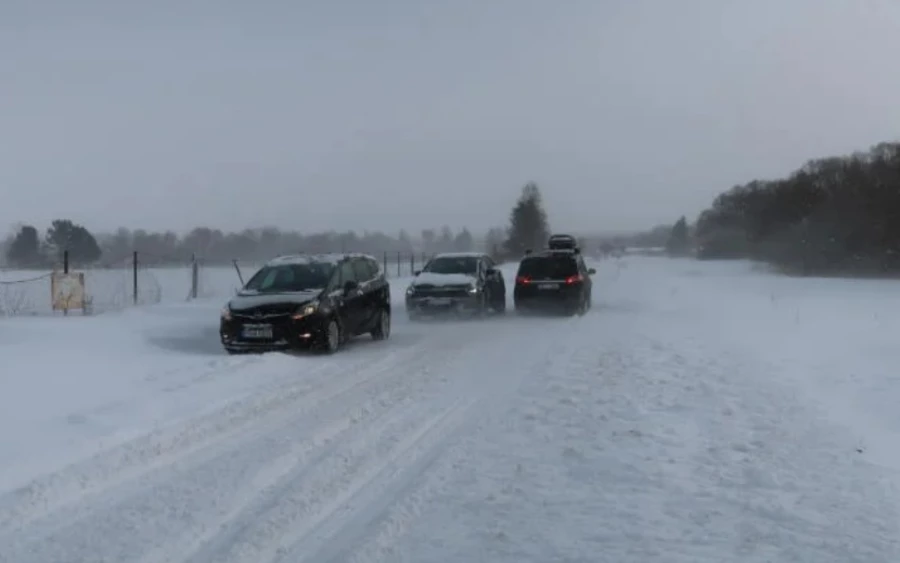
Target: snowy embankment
<point x="700" y="412"/>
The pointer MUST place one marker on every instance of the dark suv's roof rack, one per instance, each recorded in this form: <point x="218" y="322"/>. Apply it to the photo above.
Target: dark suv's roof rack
<point x="562" y="241"/>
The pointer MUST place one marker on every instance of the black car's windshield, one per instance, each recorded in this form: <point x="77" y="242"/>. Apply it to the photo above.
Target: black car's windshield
<point x="291" y="277"/>
<point x="453" y="265"/>
<point x="548" y="267"/>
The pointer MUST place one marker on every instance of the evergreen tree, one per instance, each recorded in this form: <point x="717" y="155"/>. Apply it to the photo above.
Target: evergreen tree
<point x="528" y="228"/>
<point x="64" y="235"/>
<point x="25" y="250"/>
<point x="678" y="243"/>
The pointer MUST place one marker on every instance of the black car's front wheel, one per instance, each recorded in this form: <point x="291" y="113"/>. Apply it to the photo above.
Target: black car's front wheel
<point x="331" y="340"/>
<point x="383" y="328"/>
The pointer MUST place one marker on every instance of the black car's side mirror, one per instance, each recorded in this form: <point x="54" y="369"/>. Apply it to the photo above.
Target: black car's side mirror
<point x="592" y="271"/>
<point x="417" y="272"/>
<point x="491" y="272"/>
<point x="350" y="286"/>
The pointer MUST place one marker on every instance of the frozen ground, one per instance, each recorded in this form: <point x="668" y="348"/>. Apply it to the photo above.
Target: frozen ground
<point x="700" y="412"/>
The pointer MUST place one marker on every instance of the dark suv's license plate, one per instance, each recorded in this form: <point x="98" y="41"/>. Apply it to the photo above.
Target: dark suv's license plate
<point x="257" y="331"/>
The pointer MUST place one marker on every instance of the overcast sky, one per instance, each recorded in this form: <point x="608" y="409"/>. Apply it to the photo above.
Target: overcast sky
<point x="381" y="114"/>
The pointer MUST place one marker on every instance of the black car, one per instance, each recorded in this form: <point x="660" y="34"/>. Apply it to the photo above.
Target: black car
<point x="553" y="280"/>
<point x="457" y="282"/>
<point x="308" y="302"/>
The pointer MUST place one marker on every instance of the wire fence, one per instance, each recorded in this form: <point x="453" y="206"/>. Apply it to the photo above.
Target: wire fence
<point x="143" y="278"/>
<point x="110" y="286"/>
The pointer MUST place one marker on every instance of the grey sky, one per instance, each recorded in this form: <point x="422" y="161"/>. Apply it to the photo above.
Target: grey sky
<point x="377" y="114"/>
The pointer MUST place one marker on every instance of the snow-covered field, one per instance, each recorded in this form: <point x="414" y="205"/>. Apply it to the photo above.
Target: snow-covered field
<point x="700" y="412"/>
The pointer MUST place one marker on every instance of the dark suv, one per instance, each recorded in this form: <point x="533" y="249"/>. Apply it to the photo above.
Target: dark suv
<point x="308" y="302"/>
<point x="553" y="280"/>
<point x="457" y="282"/>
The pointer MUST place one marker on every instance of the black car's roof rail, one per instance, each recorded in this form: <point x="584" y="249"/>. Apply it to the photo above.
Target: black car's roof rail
<point x="333" y="257"/>
<point x="460" y="254"/>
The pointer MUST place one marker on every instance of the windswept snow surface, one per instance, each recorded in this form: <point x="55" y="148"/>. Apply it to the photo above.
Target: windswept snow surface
<point x="700" y="412"/>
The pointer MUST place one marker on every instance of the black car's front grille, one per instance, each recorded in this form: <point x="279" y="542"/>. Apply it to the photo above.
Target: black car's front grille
<point x="266" y="312"/>
<point x="279" y="325"/>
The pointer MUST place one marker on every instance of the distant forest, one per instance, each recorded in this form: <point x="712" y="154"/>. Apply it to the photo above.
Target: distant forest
<point x="833" y="216"/>
<point x="29" y="248"/>
<point x="32" y="248"/>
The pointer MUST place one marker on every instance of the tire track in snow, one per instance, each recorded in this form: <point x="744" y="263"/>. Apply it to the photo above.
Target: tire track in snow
<point x="374" y="533"/>
<point x="367" y="395"/>
<point x="372" y="415"/>
<point x="174" y="378"/>
<point x="308" y="502"/>
<point x="132" y="460"/>
<point x="374" y="492"/>
<point x="315" y="508"/>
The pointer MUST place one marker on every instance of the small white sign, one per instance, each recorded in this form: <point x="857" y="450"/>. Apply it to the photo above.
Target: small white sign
<point x="67" y="291"/>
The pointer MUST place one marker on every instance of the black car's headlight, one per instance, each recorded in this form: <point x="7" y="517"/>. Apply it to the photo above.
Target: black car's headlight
<point x="305" y="310"/>
<point x="411" y="290"/>
<point x="226" y="314"/>
<point x="473" y="289"/>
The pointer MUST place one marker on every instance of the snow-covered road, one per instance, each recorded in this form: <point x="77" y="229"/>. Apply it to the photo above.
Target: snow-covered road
<point x="675" y="422"/>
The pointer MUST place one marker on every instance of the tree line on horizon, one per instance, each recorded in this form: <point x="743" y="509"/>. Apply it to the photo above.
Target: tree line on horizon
<point x="29" y="248"/>
<point x="837" y="215"/>
<point x="833" y="216"/>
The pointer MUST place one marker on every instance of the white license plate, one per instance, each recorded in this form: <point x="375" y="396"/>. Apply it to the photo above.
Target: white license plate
<point x="257" y="331"/>
<point x="440" y="301"/>
<point x="548" y="286"/>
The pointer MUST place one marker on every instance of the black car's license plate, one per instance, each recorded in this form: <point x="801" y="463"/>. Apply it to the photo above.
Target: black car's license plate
<point x="548" y="286"/>
<point x="257" y="331"/>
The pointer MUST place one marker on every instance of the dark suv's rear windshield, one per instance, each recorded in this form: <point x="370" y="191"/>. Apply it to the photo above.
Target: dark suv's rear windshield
<point x="548" y="267"/>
